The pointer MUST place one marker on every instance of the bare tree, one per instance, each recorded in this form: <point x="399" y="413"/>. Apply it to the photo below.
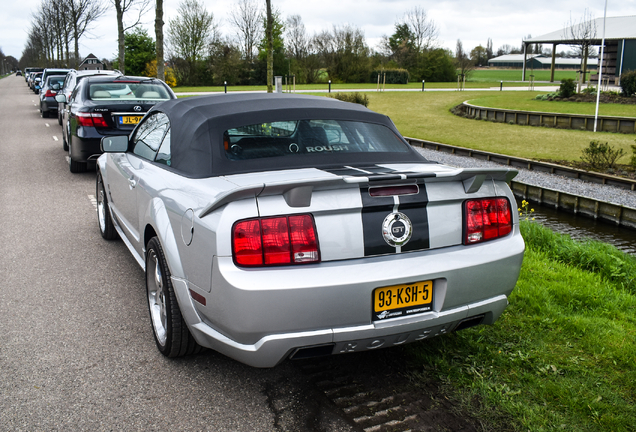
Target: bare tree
<point x="159" y="38"/>
<point x="190" y="34"/>
<point x="424" y="30"/>
<point x="297" y="40"/>
<point x="123" y="7"/>
<point x="269" y="33"/>
<point x="246" y="17"/>
<point x="462" y="60"/>
<point x="583" y="35"/>
<point x="81" y="14"/>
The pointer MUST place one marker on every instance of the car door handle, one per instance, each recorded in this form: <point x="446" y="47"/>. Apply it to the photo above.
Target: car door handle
<point x="132" y="183"/>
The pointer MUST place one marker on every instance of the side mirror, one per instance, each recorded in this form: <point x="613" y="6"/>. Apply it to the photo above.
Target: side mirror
<point x="61" y="98"/>
<point x="114" y="144"/>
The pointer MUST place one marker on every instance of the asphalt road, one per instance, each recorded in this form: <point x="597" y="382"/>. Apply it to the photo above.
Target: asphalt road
<point x="76" y="346"/>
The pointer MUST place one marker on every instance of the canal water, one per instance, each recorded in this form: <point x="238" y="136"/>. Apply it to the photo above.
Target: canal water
<point x="580" y="227"/>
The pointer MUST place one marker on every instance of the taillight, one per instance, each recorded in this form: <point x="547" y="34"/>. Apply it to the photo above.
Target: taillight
<point x="50" y="93"/>
<point x="91" y="119"/>
<point x="275" y="241"/>
<point x="486" y="219"/>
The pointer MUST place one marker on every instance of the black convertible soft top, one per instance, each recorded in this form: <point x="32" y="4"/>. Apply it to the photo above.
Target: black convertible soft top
<point x="198" y="123"/>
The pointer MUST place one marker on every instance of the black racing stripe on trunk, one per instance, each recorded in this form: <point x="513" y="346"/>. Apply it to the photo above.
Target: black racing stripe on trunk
<point x="345" y="172"/>
<point x="374" y="210"/>
<point x="362" y="171"/>
<point x="414" y="207"/>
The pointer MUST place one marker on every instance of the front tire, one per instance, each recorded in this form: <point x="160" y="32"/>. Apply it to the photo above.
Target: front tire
<point x="106" y="227"/>
<point x="170" y="330"/>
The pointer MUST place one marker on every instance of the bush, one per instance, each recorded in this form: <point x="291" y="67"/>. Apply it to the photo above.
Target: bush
<point x="356" y="97"/>
<point x="589" y="90"/>
<point x="393" y="76"/>
<point x="628" y="83"/>
<point x="601" y="156"/>
<point x="567" y="88"/>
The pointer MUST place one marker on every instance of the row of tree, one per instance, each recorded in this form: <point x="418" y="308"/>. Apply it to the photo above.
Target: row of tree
<point x="7" y="63"/>
<point x="199" y="54"/>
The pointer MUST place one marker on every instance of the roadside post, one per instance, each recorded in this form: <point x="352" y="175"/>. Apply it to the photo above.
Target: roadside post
<point x="225" y="85"/>
<point x="329" y="86"/>
<point x="423" y="81"/>
<point x="501" y="86"/>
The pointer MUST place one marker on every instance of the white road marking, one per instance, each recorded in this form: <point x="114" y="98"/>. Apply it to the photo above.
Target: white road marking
<point x="68" y="159"/>
<point x="55" y="138"/>
<point x="48" y="125"/>
<point x="93" y="201"/>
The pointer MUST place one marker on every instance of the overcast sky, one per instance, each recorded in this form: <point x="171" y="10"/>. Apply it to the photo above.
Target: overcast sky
<point x="505" y="22"/>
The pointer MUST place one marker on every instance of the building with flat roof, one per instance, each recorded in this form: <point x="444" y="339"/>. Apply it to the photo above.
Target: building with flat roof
<point x="619" y="53"/>
<point x="539" y="61"/>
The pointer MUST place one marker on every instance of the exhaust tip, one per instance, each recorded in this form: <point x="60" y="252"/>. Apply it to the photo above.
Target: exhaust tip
<point x="470" y="322"/>
<point x="312" y="351"/>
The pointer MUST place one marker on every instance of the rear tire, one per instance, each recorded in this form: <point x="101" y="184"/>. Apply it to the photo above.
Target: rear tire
<point x="106" y="227"/>
<point x="171" y="333"/>
<point x="65" y="143"/>
<point x="74" y="166"/>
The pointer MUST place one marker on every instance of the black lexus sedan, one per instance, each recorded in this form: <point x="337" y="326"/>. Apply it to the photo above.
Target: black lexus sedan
<point x="105" y="106"/>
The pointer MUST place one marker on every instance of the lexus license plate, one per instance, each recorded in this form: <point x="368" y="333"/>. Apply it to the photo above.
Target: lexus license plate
<point x="130" y="120"/>
<point x="402" y="300"/>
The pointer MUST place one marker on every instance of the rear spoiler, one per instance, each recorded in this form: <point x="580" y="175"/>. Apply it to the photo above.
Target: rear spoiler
<point x="297" y="193"/>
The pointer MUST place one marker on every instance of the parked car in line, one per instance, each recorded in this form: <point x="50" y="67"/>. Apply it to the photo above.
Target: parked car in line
<point x="71" y="80"/>
<point x="34" y="82"/>
<point x="282" y="226"/>
<point x="48" y="104"/>
<point x="29" y="70"/>
<point x="53" y="71"/>
<point x="105" y="106"/>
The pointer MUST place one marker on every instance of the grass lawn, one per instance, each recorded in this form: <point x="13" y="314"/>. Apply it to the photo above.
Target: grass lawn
<point x="563" y="354"/>
<point x="525" y="101"/>
<point x="490" y="75"/>
<point x="427" y="116"/>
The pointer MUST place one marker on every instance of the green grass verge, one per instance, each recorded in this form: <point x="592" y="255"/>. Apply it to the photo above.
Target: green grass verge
<point x="427" y="116"/>
<point x="563" y="354"/>
<point x="526" y="102"/>
<point x="490" y="75"/>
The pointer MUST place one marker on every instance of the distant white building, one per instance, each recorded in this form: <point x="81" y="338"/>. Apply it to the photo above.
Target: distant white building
<point x="539" y="61"/>
<point x="91" y="63"/>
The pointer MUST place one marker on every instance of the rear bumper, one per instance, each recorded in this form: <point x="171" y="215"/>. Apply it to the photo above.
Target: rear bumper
<point x="262" y="317"/>
<point x="85" y="144"/>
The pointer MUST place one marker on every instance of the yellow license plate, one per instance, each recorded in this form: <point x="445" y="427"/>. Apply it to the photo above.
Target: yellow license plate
<point x="130" y="119"/>
<point x="402" y="300"/>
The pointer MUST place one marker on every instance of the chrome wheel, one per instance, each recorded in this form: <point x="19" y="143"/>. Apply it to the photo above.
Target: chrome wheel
<point x="101" y="206"/>
<point x="156" y="298"/>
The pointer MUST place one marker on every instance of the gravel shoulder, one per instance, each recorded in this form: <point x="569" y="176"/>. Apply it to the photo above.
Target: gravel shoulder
<point x="582" y="188"/>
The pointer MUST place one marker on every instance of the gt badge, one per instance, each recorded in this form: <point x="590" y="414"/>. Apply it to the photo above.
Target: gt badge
<point x="397" y="229"/>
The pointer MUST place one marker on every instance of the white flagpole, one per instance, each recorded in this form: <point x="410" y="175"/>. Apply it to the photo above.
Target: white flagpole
<point x="600" y="69"/>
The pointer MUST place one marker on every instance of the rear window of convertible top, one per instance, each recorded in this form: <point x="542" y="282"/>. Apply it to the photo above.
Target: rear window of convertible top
<point x="310" y="137"/>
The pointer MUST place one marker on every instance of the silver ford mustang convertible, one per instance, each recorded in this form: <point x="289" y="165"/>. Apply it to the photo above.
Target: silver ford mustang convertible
<point x="279" y="226"/>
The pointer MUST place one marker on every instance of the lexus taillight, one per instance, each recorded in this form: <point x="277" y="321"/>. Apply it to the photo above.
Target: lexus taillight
<point x="486" y="219"/>
<point x="273" y="241"/>
<point x="91" y="119"/>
